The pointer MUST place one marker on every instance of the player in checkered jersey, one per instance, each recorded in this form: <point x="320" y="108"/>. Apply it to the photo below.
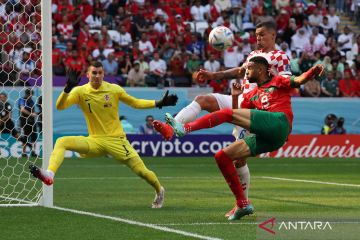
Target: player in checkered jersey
<point x="280" y="65"/>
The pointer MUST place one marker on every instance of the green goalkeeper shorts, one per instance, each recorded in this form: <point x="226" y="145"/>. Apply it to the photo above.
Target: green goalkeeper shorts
<point x="270" y="131"/>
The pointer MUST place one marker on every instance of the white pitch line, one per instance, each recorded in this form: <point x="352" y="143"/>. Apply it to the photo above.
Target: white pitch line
<point x="137" y="223"/>
<point x="311" y="181"/>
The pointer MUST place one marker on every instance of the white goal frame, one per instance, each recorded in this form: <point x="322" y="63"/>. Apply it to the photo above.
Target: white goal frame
<point x="47" y="96"/>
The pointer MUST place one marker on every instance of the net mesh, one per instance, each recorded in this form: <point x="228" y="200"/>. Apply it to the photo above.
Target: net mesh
<point x="20" y="100"/>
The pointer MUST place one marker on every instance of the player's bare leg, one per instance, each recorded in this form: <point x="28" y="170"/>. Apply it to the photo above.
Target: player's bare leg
<point x="187" y="114"/>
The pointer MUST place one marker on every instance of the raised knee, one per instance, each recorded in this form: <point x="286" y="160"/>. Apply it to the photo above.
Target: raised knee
<point x="206" y="102"/>
<point x="61" y="141"/>
<point x="240" y="163"/>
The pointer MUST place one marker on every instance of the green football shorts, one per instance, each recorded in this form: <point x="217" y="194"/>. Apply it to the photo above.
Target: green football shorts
<point x="270" y="131"/>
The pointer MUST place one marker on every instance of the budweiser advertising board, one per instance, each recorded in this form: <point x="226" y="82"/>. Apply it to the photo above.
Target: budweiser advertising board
<point x="333" y="146"/>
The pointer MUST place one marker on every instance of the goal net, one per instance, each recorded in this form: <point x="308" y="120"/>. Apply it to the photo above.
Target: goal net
<point x="22" y="92"/>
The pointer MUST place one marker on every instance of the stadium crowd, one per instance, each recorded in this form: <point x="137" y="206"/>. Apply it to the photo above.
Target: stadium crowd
<point x="162" y="42"/>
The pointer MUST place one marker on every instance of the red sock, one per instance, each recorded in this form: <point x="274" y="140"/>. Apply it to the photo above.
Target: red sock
<point x="210" y="120"/>
<point x="228" y="170"/>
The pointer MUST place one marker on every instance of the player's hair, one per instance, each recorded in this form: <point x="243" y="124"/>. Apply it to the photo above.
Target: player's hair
<point x="260" y="60"/>
<point x="3" y="93"/>
<point x="28" y="91"/>
<point x="96" y="64"/>
<point x="269" y="25"/>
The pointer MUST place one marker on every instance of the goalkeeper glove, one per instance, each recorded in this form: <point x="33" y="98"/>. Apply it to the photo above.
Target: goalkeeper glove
<point x="73" y="79"/>
<point x="167" y="100"/>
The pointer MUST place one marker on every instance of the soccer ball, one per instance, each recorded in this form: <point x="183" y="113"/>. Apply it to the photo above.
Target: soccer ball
<point x="221" y="38"/>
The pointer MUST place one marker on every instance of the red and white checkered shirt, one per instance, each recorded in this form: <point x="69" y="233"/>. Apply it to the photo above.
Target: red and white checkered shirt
<point x="66" y="30"/>
<point x="278" y="60"/>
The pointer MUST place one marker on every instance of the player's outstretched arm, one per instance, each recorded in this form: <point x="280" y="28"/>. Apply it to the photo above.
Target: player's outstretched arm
<point x="203" y="76"/>
<point x="167" y="100"/>
<point x="313" y="72"/>
<point x="65" y="99"/>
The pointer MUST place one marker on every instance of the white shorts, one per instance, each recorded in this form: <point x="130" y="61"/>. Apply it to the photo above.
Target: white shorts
<point x="225" y="101"/>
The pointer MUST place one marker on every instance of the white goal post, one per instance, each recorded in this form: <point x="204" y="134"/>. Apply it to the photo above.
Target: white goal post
<point x="18" y="148"/>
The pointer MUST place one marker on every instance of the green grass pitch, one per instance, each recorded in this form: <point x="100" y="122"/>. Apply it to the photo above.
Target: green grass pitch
<point x="196" y="199"/>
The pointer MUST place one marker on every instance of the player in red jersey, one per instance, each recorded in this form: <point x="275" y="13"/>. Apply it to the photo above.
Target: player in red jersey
<point x="265" y="111"/>
<point x="280" y="65"/>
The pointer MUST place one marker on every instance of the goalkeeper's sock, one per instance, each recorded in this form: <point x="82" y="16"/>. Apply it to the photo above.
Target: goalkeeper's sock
<point x="228" y="170"/>
<point x="138" y="167"/>
<point x="210" y="120"/>
<point x="244" y="176"/>
<point x="188" y="113"/>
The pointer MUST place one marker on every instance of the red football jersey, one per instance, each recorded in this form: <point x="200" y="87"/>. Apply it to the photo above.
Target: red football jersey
<point x="272" y="96"/>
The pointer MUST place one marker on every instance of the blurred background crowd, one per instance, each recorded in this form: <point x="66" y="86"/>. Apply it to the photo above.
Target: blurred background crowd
<point x="160" y="43"/>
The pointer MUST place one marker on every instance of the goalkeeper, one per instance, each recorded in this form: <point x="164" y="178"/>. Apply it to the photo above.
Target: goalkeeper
<point x="99" y="101"/>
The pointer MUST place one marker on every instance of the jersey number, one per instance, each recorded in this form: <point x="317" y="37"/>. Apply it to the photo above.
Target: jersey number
<point x="264" y="101"/>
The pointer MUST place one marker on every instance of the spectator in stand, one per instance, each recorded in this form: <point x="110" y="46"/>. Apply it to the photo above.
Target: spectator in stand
<point x="220" y="85"/>
<point x="140" y="23"/>
<point x="237" y="15"/>
<point x="329" y="124"/>
<point x="193" y="64"/>
<point x="75" y="62"/>
<point x="8" y="75"/>
<point x="148" y="128"/>
<point x="113" y="6"/>
<point x="348" y="85"/>
<point x="315" y="19"/>
<point x="57" y="61"/>
<point x="196" y="46"/>
<point x="178" y="27"/>
<point x="16" y="54"/>
<point x="289" y="31"/>
<point x="299" y="41"/>
<point x="282" y="21"/>
<point x="177" y="66"/>
<point x="212" y="65"/>
<point x="111" y="67"/>
<point x="345" y="40"/>
<point x="305" y="62"/>
<point x="320" y="39"/>
<point x="313" y="47"/>
<point x="124" y="39"/>
<point x="25" y="65"/>
<point x="285" y="48"/>
<point x="198" y="11"/>
<point x="136" y="76"/>
<point x="223" y="4"/>
<point x="356" y="47"/>
<point x="212" y="10"/>
<point x="307" y="27"/>
<point x="160" y="24"/>
<point x="294" y="64"/>
<point x="125" y="66"/>
<point x="7" y="125"/>
<point x="144" y="65"/>
<point x="157" y="72"/>
<point x="327" y="64"/>
<point x="334" y="20"/>
<point x="100" y="53"/>
<point x="329" y="86"/>
<point x="333" y="53"/>
<point x="28" y="121"/>
<point x="94" y="20"/>
<point x="65" y="28"/>
<point x="325" y="28"/>
<point x="339" y="129"/>
<point x="106" y="20"/>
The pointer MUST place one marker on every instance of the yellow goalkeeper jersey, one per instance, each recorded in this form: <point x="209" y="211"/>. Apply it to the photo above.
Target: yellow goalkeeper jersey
<point x="101" y="107"/>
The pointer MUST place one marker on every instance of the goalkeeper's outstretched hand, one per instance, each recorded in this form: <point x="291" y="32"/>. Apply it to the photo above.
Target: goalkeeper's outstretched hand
<point x="73" y="79"/>
<point x="167" y="100"/>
